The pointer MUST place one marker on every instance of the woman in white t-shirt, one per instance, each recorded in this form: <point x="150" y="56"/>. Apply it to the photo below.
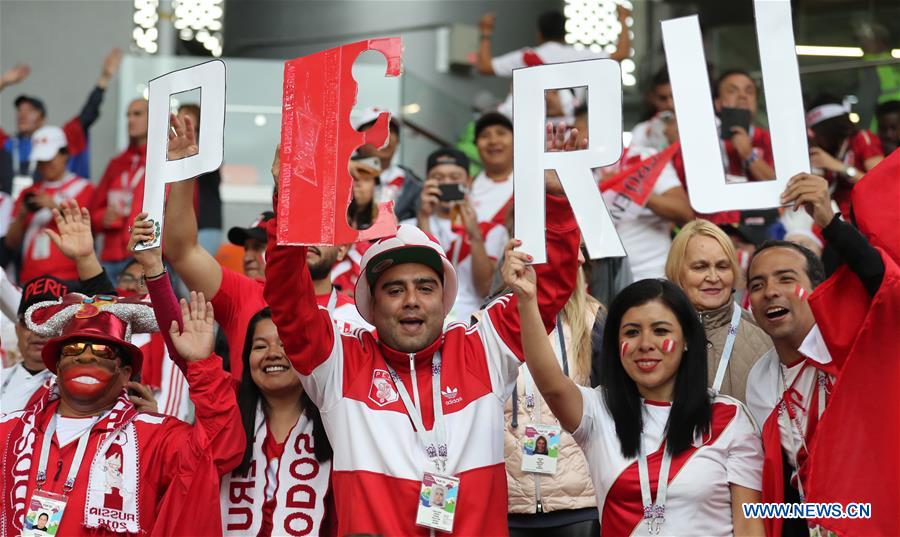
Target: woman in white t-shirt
<point x="652" y="400"/>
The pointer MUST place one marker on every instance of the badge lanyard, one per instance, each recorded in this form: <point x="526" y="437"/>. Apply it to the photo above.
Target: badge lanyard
<point x="729" y="346"/>
<point x="45" y="454"/>
<point x="794" y="425"/>
<point x="435" y="440"/>
<point x="564" y="363"/>
<point x="654" y="513"/>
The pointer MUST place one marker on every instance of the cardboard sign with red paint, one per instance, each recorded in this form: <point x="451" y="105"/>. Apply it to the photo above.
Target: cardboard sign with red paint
<point x="317" y="140"/>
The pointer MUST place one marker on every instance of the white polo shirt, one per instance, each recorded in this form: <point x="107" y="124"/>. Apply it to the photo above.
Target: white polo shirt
<point x="17" y="386"/>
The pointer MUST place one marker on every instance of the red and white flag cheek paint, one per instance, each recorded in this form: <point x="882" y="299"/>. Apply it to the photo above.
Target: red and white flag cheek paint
<point x="668" y="345"/>
<point x="623" y="348"/>
<point x="801" y="292"/>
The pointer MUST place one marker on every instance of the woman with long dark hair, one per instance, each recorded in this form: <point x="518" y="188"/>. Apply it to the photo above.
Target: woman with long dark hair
<point x="287" y="453"/>
<point x="839" y="148"/>
<point x="665" y="455"/>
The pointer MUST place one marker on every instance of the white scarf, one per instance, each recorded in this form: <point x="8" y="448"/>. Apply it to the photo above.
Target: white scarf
<point x="113" y="488"/>
<point x="302" y="481"/>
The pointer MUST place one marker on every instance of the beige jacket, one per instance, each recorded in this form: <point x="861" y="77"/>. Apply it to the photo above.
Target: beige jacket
<point x="750" y="344"/>
<point x="570" y="487"/>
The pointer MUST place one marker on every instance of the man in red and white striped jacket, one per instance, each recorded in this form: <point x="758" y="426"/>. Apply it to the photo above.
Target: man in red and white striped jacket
<point x="361" y="384"/>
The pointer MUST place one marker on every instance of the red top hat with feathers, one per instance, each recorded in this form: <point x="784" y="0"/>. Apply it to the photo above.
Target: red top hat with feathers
<point x="101" y="318"/>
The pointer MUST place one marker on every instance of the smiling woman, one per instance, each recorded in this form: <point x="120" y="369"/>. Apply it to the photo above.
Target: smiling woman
<point x="702" y="262"/>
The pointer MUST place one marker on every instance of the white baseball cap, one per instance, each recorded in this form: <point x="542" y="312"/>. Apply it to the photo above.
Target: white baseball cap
<point x="368" y="115"/>
<point x="409" y="245"/>
<point x="46" y="143"/>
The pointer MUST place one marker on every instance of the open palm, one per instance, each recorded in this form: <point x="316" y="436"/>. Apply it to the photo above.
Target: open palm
<point x="74" y="238"/>
<point x="183" y="141"/>
<point x="195" y="341"/>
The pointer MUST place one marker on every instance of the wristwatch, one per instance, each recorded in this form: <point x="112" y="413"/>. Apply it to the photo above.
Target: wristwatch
<point x="850" y="171"/>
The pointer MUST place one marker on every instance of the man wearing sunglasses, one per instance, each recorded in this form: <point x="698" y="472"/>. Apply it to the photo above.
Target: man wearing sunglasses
<point x="82" y="447"/>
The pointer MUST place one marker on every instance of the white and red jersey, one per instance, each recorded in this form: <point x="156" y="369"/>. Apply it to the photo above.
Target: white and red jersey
<point x="491" y="199"/>
<point x="787" y="396"/>
<point x="343" y="312"/>
<point x="345" y="273"/>
<point x="391" y="183"/>
<point x="283" y="491"/>
<point x="165" y="378"/>
<point x="548" y="52"/>
<point x="39" y="255"/>
<point x="860" y="147"/>
<point x="699" y="493"/>
<point x="455" y="241"/>
<point x="6" y="212"/>
<point x="378" y="460"/>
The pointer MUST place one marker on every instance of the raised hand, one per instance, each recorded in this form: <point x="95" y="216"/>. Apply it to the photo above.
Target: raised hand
<point x="144" y="230"/>
<point x="182" y="139"/>
<point x="196" y="341"/>
<point x="14" y="75"/>
<point x="487" y="22"/>
<point x="110" y="67"/>
<point x="558" y="138"/>
<point x="810" y="192"/>
<point x="517" y="272"/>
<point x="74" y="223"/>
<point x="276" y="165"/>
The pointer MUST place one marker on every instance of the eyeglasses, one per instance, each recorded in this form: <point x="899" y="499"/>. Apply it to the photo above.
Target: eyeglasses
<point x="100" y="350"/>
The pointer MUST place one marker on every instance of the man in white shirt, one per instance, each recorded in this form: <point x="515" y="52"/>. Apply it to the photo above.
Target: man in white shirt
<point x="551" y="48"/>
<point x="19" y="382"/>
<point x="472" y="246"/>
<point x="492" y="189"/>
<point x="396" y="183"/>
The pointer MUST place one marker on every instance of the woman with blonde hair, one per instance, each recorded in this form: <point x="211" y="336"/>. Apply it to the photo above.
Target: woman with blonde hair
<point x="702" y="262"/>
<point x="563" y="503"/>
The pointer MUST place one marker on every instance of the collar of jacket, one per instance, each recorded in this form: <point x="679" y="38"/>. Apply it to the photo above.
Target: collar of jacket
<point x="400" y="360"/>
<point x="717" y="318"/>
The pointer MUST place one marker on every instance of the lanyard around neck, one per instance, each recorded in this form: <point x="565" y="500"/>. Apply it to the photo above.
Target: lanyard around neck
<point x="435" y="440"/>
<point x="729" y="347"/>
<point x="794" y="425"/>
<point x="654" y="512"/>
<point x="76" y="462"/>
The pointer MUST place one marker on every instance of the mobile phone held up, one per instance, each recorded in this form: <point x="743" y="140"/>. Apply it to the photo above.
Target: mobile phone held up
<point x="452" y="192"/>
<point x="734" y="117"/>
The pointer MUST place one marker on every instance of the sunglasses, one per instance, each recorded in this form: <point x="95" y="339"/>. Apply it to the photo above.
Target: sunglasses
<point x="100" y="350"/>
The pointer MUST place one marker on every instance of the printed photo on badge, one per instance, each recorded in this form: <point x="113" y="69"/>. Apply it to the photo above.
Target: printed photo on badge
<point x="43" y="517"/>
<point x="540" y="448"/>
<point x="437" y="501"/>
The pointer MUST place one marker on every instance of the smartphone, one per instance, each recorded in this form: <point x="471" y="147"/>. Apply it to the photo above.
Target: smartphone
<point x="734" y="117"/>
<point x="29" y="202"/>
<point x="452" y="191"/>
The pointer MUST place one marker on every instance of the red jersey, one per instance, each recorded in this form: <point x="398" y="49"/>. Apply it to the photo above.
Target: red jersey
<point x="121" y="187"/>
<point x="39" y="255"/>
<point x="239" y="298"/>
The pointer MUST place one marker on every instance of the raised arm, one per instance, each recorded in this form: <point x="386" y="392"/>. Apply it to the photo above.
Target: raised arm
<point x="162" y="297"/>
<point x="486" y="27"/>
<point x="306" y="331"/>
<point x="623" y="45"/>
<point x="14" y="75"/>
<point x="217" y="430"/>
<point x="558" y="390"/>
<point x="197" y="267"/>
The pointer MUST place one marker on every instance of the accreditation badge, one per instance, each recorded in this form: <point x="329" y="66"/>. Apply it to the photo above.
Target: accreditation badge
<point x="437" y="502"/>
<point x="45" y="511"/>
<point x="540" y="448"/>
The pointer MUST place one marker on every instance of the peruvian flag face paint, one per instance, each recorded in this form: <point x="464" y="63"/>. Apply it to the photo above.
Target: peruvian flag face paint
<point x="801" y="293"/>
<point x="623" y="348"/>
<point x="668" y="345"/>
<point x="85" y="381"/>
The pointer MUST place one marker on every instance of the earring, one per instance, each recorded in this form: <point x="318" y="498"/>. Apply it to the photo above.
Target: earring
<point x="685" y="348"/>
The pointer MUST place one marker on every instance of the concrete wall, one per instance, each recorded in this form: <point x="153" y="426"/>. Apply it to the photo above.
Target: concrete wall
<point x="65" y="43"/>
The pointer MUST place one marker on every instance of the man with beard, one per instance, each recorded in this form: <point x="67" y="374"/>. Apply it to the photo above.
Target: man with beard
<point x="236" y="297"/>
<point x="143" y="468"/>
<point x="420" y="404"/>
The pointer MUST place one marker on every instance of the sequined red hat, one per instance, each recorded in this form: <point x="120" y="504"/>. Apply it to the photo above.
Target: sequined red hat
<point x="101" y="318"/>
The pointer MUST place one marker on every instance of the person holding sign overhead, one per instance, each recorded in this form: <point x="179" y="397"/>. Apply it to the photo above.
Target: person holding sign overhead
<point x="420" y="405"/>
<point x="703" y="263"/>
<point x="666" y="456"/>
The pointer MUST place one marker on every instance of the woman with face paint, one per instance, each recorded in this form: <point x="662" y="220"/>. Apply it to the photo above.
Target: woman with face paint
<point x="666" y="456"/>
